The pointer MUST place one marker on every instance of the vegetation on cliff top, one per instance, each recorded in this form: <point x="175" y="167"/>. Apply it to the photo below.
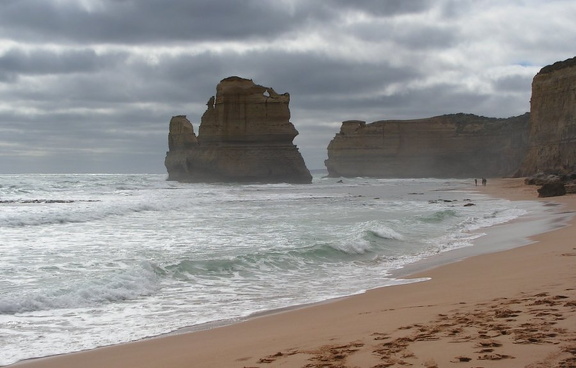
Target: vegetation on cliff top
<point x="568" y="63"/>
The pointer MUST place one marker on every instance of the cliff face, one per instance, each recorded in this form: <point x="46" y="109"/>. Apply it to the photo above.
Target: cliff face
<point x="245" y="135"/>
<point x="466" y="145"/>
<point x="552" y="139"/>
<point x="459" y="145"/>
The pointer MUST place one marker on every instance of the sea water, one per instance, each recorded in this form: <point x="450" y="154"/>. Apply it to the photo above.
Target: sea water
<point x="94" y="260"/>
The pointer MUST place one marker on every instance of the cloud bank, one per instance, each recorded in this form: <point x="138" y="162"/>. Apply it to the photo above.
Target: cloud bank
<point x="90" y="85"/>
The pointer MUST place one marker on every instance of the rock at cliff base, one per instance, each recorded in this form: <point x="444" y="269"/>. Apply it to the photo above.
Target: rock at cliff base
<point x="552" y="190"/>
<point x="245" y="136"/>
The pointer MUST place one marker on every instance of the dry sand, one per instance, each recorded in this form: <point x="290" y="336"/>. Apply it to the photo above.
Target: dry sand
<point x="515" y="308"/>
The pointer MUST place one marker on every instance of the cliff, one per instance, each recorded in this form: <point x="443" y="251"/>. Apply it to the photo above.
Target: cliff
<point x="552" y="138"/>
<point x="245" y="136"/>
<point x="458" y="145"/>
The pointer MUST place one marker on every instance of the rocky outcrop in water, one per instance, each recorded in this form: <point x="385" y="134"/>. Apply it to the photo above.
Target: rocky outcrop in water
<point x="245" y="136"/>
<point x="552" y="138"/>
<point x="457" y="145"/>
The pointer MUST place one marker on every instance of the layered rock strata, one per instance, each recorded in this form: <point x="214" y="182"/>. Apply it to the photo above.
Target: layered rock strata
<point x="458" y="145"/>
<point x="552" y="138"/>
<point x="245" y="136"/>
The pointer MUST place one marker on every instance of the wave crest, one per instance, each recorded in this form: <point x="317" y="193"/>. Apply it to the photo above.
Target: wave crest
<point x="84" y="293"/>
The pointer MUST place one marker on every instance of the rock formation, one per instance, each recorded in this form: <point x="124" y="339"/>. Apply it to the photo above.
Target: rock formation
<point x="181" y="134"/>
<point x="543" y="141"/>
<point x="552" y="137"/>
<point x="552" y="190"/>
<point x="245" y="136"/>
<point x="458" y="145"/>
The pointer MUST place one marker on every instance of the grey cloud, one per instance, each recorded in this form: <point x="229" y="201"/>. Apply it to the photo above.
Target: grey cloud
<point x="82" y="110"/>
<point x="513" y="83"/>
<point x="428" y="37"/>
<point x="328" y="87"/>
<point x="124" y="142"/>
<point x="421" y="103"/>
<point x="16" y="62"/>
<point x="142" y="21"/>
<point x="78" y="161"/>
<point x="451" y="9"/>
<point x="318" y="76"/>
<point x="145" y="21"/>
<point x="384" y="8"/>
<point x="192" y="79"/>
<point x="142" y="98"/>
<point x="417" y="37"/>
<point x="8" y="77"/>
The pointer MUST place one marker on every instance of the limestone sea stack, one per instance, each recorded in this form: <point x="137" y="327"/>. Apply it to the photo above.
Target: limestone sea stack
<point x="245" y="136"/>
<point x="448" y="146"/>
<point x="552" y="139"/>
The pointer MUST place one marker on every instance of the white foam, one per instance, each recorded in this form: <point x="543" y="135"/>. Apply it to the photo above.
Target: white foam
<point x="105" y="271"/>
<point x="81" y="292"/>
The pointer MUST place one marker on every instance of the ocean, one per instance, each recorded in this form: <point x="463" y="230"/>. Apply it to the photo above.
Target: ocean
<point x="90" y="260"/>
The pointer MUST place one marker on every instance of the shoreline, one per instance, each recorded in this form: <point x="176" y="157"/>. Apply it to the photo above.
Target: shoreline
<point x="497" y="238"/>
<point x="360" y="330"/>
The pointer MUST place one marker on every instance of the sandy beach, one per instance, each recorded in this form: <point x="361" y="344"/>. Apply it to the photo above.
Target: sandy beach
<point x="515" y="308"/>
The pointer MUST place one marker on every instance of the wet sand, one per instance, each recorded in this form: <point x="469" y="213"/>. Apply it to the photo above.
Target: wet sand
<point x="514" y="308"/>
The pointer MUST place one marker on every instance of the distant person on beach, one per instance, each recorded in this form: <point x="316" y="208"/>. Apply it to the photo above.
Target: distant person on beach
<point x="483" y="181"/>
<point x="476" y="182"/>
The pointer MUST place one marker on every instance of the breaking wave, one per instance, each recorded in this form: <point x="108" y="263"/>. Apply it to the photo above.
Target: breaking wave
<point x="83" y="292"/>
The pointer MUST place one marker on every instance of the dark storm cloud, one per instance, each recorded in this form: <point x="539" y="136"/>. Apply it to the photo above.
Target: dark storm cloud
<point x="130" y="21"/>
<point x="138" y="21"/>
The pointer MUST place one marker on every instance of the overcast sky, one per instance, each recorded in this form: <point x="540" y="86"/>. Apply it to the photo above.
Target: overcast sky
<point x="91" y="85"/>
